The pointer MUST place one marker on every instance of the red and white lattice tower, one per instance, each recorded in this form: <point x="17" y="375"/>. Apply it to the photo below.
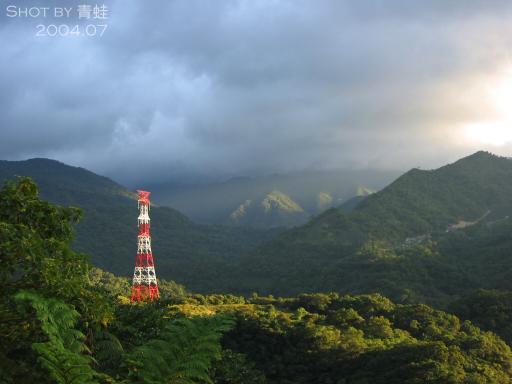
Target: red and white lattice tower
<point x="144" y="287"/>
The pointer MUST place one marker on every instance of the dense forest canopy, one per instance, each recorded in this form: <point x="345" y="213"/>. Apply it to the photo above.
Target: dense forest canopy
<point x="63" y="321"/>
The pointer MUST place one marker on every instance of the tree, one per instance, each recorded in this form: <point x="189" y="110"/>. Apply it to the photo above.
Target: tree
<point x="34" y="243"/>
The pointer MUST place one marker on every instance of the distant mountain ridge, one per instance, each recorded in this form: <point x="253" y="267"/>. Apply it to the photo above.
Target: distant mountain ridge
<point x="313" y="191"/>
<point x="277" y="209"/>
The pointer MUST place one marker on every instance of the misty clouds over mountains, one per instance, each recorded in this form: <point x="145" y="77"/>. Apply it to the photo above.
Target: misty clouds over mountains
<point x="245" y="87"/>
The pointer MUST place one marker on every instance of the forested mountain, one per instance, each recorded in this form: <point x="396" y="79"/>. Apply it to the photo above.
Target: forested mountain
<point x="422" y="202"/>
<point x="63" y="322"/>
<point x="313" y="191"/>
<point x="429" y="236"/>
<point x="108" y="229"/>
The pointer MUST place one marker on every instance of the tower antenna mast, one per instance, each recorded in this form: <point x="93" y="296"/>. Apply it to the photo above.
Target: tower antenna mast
<point x="144" y="286"/>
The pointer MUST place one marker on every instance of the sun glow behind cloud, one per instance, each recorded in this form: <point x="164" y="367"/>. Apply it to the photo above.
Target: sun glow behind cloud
<point x="496" y="134"/>
<point x="497" y="131"/>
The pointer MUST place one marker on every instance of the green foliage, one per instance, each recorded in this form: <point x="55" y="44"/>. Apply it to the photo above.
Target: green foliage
<point x="489" y="310"/>
<point x="366" y="339"/>
<point x="34" y="238"/>
<point x="234" y="368"/>
<point x="115" y="285"/>
<point x="108" y="351"/>
<point x="376" y="251"/>
<point x="182" y="353"/>
<point x="62" y="355"/>
<point x="35" y="252"/>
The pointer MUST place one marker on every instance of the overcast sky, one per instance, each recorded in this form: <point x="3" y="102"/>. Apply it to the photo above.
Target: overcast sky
<point x="249" y="87"/>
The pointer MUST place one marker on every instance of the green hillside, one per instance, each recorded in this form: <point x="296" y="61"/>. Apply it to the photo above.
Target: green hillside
<point x="183" y="250"/>
<point x="430" y="236"/>
<point x="421" y="202"/>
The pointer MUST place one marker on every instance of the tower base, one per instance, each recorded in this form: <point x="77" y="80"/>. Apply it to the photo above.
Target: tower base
<point x="144" y="293"/>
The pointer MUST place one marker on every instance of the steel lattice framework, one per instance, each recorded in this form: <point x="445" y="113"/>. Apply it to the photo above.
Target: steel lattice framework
<point x="144" y="286"/>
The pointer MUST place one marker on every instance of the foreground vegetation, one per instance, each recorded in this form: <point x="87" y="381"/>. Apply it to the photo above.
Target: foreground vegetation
<point x="62" y="321"/>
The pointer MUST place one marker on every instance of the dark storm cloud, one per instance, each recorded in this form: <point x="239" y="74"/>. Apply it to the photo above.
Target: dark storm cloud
<point x="236" y="87"/>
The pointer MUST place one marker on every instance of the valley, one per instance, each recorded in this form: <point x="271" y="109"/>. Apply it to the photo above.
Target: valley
<point x="405" y="241"/>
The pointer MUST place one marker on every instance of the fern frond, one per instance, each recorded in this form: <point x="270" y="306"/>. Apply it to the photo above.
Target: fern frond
<point x="61" y="355"/>
<point x="183" y="353"/>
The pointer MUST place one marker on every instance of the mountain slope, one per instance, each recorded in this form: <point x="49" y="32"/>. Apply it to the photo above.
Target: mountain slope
<point x="396" y="241"/>
<point x="420" y="202"/>
<point x="183" y="250"/>
<point x="275" y="210"/>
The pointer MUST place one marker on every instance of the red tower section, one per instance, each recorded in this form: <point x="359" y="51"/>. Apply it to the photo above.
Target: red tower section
<point x="144" y="286"/>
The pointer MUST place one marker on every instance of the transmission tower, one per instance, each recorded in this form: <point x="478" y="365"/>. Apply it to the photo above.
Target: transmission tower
<point x="144" y="287"/>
